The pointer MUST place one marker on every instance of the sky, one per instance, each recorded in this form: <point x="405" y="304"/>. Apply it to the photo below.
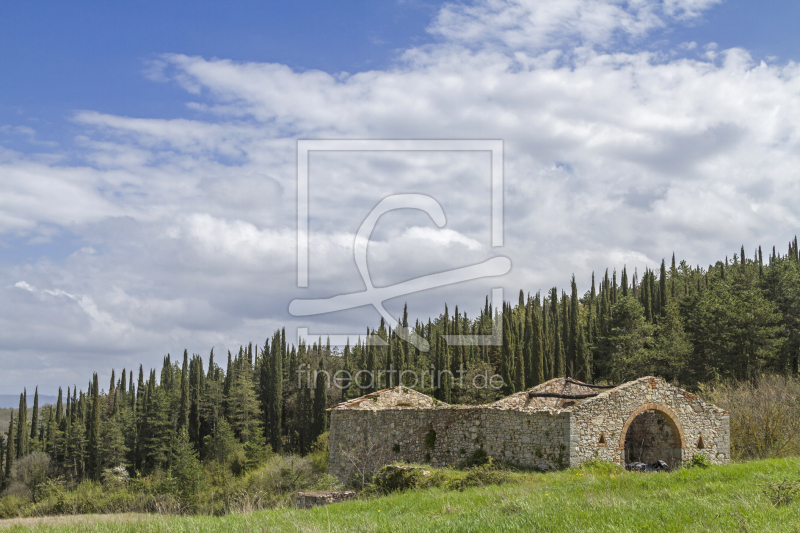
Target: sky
<point x="148" y="159"/>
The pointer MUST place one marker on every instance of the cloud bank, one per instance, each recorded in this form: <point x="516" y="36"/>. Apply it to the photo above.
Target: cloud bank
<point x="165" y="234"/>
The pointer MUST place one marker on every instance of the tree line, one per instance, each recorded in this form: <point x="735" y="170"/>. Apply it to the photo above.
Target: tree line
<point x="735" y="319"/>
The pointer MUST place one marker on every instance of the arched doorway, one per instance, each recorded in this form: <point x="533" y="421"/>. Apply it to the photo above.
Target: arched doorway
<point x="652" y="433"/>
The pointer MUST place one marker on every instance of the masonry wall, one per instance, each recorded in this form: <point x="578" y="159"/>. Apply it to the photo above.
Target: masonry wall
<point x="533" y="439"/>
<point x="607" y="414"/>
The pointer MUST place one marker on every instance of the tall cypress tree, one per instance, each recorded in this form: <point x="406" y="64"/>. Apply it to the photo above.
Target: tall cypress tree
<point x="509" y="351"/>
<point x="573" y="326"/>
<point x="584" y="361"/>
<point x="662" y="290"/>
<point x="537" y="348"/>
<point x="22" y="426"/>
<point x="10" y="452"/>
<point x="319" y="417"/>
<point x="624" y="281"/>
<point x="94" y="431"/>
<point x="569" y="361"/>
<point x="276" y="394"/>
<point x="183" y="408"/>
<point x="34" y="436"/>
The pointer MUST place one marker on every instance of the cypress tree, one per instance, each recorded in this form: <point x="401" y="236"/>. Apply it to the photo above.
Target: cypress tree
<point x="22" y="426"/>
<point x="319" y="417"/>
<point x="34" y="436"/>
<point x="573" y="325"/>
<point x="183" y="408"/>
<point x="584" y="362"/>
<point x="662" y="292"/>
<point x="507" y="360"/>
<point x="569" y="361"/>
<point x="10" y="452"/>
<point x="94" y="430"/>
<point x="276" y="394"/>
<point x="537" y="349"/>
<point x="59" y="408"/>
<point x="519" y="363"/>
<point x="547" y="352"/>
<point x="623" y="281"/>
<point x="559" y="364"/>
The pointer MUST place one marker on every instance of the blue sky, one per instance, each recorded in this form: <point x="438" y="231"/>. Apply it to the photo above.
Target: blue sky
<point x="147" y="157"/>
<point x="61" y="57"/>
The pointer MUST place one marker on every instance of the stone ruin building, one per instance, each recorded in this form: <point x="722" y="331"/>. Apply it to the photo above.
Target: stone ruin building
<point x="558" y="424"/>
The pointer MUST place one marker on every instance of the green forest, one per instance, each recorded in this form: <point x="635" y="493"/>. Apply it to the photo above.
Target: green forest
<point x="732" y="321"/>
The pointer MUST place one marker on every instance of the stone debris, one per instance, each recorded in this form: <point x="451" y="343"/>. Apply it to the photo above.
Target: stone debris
<point x="307" y="500"/>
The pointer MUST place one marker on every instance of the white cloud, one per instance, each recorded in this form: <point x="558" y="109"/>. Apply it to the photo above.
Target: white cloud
<point x="611" y="158"/>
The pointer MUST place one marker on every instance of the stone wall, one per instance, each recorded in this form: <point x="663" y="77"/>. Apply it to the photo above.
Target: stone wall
<point x="611" y="413"/>
<point x="444" y="435"/>
<point x="403" y="425"/>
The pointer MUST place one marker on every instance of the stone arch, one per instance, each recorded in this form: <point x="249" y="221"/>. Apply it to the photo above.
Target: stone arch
<point x="663" y="410"/>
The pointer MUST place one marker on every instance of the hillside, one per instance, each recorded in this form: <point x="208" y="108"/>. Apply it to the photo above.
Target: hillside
<point x="593" y="499"/>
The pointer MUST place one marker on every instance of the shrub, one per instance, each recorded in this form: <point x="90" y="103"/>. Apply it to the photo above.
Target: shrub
<point x="430" y="438"/>
<point x="765" y="415"/>
<point x="32" y="471"/>
<point x="478" y="457"/>
<point x="256" y="454"/>
<point x="115" y="478"/>
<point x="480" y="476"/>
<point x="397" y="477"/>
<point x="10" y="506"/>
<point x="698" y="460"/>
<point x="782" y="493"/>
<point x="320" y="453"/>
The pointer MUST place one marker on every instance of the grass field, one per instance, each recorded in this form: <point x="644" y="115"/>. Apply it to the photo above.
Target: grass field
<point x="717" y="499"/>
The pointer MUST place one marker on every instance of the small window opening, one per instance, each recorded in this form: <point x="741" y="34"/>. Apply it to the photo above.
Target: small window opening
<point x="700" y="444"/>
<point x="602" y="440"/>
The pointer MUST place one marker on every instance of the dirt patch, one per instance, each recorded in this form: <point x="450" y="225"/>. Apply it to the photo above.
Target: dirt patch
<point x="71" y="520"/>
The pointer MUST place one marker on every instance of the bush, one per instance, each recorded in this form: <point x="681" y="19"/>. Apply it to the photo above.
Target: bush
<point x="32" y="471"/>
<point x="397" y="477"/>
<point x="256" y="454"/>
<point x="275" y="484"/>
<point x="115" y="478"/>
<point x="479" y="457"/>
<point x="11" y="506"/>
<point x="698" y="460"/>
<point x="480" y="476"/>
<point x="320" y="453"/>
<point x="782" y="493"/>
<point x="765" y="415"/>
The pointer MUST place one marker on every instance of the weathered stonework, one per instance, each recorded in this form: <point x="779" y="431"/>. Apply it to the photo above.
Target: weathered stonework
<point x="545" y="433"/>
<point x="307" y="500"/>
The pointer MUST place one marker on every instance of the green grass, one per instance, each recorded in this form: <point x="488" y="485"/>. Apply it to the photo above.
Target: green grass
<point x="595" y="499"/>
